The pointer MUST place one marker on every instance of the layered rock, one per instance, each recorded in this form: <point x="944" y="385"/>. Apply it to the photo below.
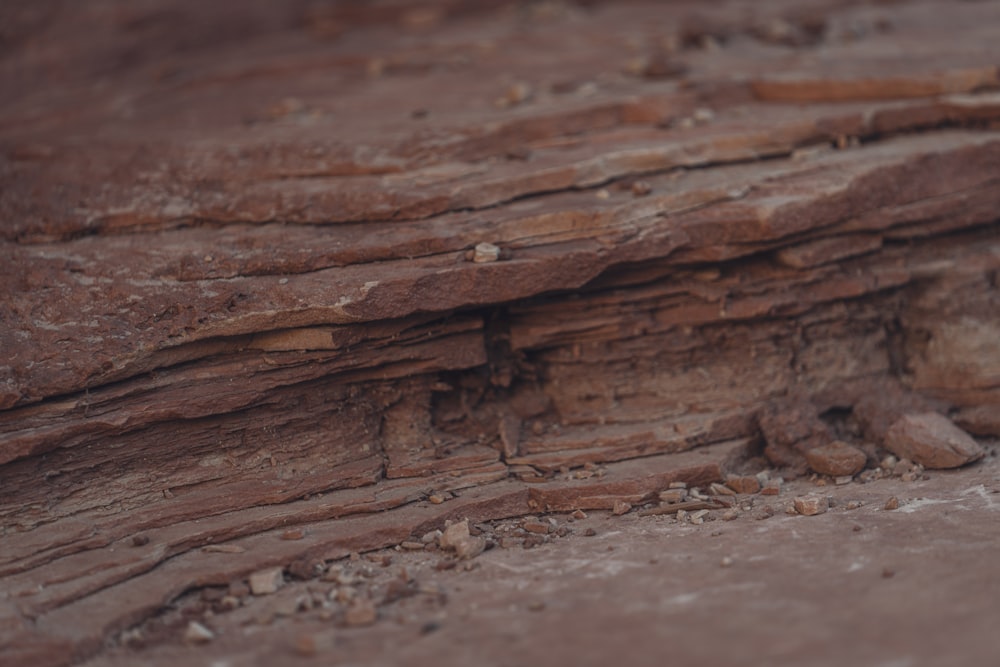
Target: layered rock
<point x="243" y="290"/>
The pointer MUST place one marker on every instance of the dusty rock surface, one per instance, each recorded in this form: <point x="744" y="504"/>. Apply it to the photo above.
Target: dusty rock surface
<point x="861" y="584"/>
<point x="282" y="282"/>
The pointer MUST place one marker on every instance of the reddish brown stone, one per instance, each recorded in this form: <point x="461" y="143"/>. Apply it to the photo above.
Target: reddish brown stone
<point x="836" y="459"/>
<point x="932" y="440"/>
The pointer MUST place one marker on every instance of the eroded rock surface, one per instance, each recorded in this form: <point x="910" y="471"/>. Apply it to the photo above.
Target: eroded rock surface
<point x="290" y="266"/>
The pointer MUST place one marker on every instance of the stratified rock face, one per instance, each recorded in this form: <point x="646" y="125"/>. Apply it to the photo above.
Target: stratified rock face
<point x="291" y="264"/>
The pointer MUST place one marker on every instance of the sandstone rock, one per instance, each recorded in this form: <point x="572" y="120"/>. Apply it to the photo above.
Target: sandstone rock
<point x="196" y="633"/>
<point x="268" y="309"/>
<point x="743" y="484"/>
<point x="810" y="505"/>
<point x="457" y="538"/>
<point x="360" y="612"/>
<point x="265" y="582"/>
<point x="836" y="459"/>
<point x="931" y="440"/>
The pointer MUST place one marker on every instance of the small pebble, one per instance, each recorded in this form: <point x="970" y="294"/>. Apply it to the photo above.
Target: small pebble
<point x="621" y="507"/>
<point x="641" y="188"/>
<point x="811" y="505"/>
<point x="196" y="633"/>
<point x="360" y="613"/>
<point x="265" y="582"/>
<point x="891" y="504"/>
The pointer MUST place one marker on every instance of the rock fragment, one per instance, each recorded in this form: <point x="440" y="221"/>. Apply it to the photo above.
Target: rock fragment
<point x="931" y="440"/>
<point x="457" y="538"/>
<point x="810" y="505"/>
<point x="485" y="252"/>
<point x="743" y="484"/>
<point x="196" y="633"/>
<point x="361" y="612"/>
<point x="836" y="459"/>
<point x="265" y="582"/>
<point x="621" y="507"/>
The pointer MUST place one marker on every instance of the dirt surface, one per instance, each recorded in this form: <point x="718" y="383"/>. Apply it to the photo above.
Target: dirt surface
<point x="859" y="584"/>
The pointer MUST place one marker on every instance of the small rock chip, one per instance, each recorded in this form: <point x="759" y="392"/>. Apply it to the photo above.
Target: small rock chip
<point x="539" y="527"/>
<point x="485" y="252"/>
<point x="455" y="533"/>
<point x="412" y="546"/>
<point x="265" y="582"/>
<point x="621" y="507"/>
<point x="590" y="532"/>
<point x="641" y="188"/>
<point x="293" y="534"/>
<point x="743" y="484"/>
<point x="726" y="561"/>
<point x="579" y="515"/>
<point x="361" y="612"/>
<point x="140" y="540"/>
<point x="844" y="479"/>
<point x="772" y="487"/>
<point x="458" y="538"/>
<point x="932" y="440"/>
<point x="730" y="515"/>
<point x="891" y="504"/>
<point x="196" y="633"/>
<point x="836" y="459"/>
<point x="811" y="505"/>
<point x="673" y="495"/>
<point x="717" y="489"/>
<point x="603" y="194"/>
<point x="470" y="548"/>
<point x="431" y="536"/>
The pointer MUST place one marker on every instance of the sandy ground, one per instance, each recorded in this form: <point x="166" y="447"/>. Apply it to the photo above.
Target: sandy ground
<point x="857" y="585"/>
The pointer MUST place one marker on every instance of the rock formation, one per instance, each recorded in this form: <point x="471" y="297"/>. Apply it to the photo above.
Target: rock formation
<point x="293" y="264"/>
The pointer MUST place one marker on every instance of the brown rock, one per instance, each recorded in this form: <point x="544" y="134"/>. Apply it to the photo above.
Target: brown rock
<point x="811" y="505"/>
<point x="932" y="440"/>
<point x="540" y="527"/>
<point x="621" y="507"/>
<point x="360" y="612"/>
<point x="265" y="582"/>
<point x="743" y="484"/>
<point x="836" y="459"/>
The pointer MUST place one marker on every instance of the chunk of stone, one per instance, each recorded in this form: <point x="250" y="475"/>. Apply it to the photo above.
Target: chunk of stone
<point x="931" y="440"/>
<point x="743" y="484"/>
<point x="836" y="459"/>
<point x="457" y="538"/>
<point x="361" y="612"/>
<point x="811" y="505"/>
<point x="196" y="633"/>
<point x="265" y="582"/>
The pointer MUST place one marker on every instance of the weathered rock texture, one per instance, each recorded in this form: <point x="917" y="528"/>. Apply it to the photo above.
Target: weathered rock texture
<point x="242" y="289"/>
